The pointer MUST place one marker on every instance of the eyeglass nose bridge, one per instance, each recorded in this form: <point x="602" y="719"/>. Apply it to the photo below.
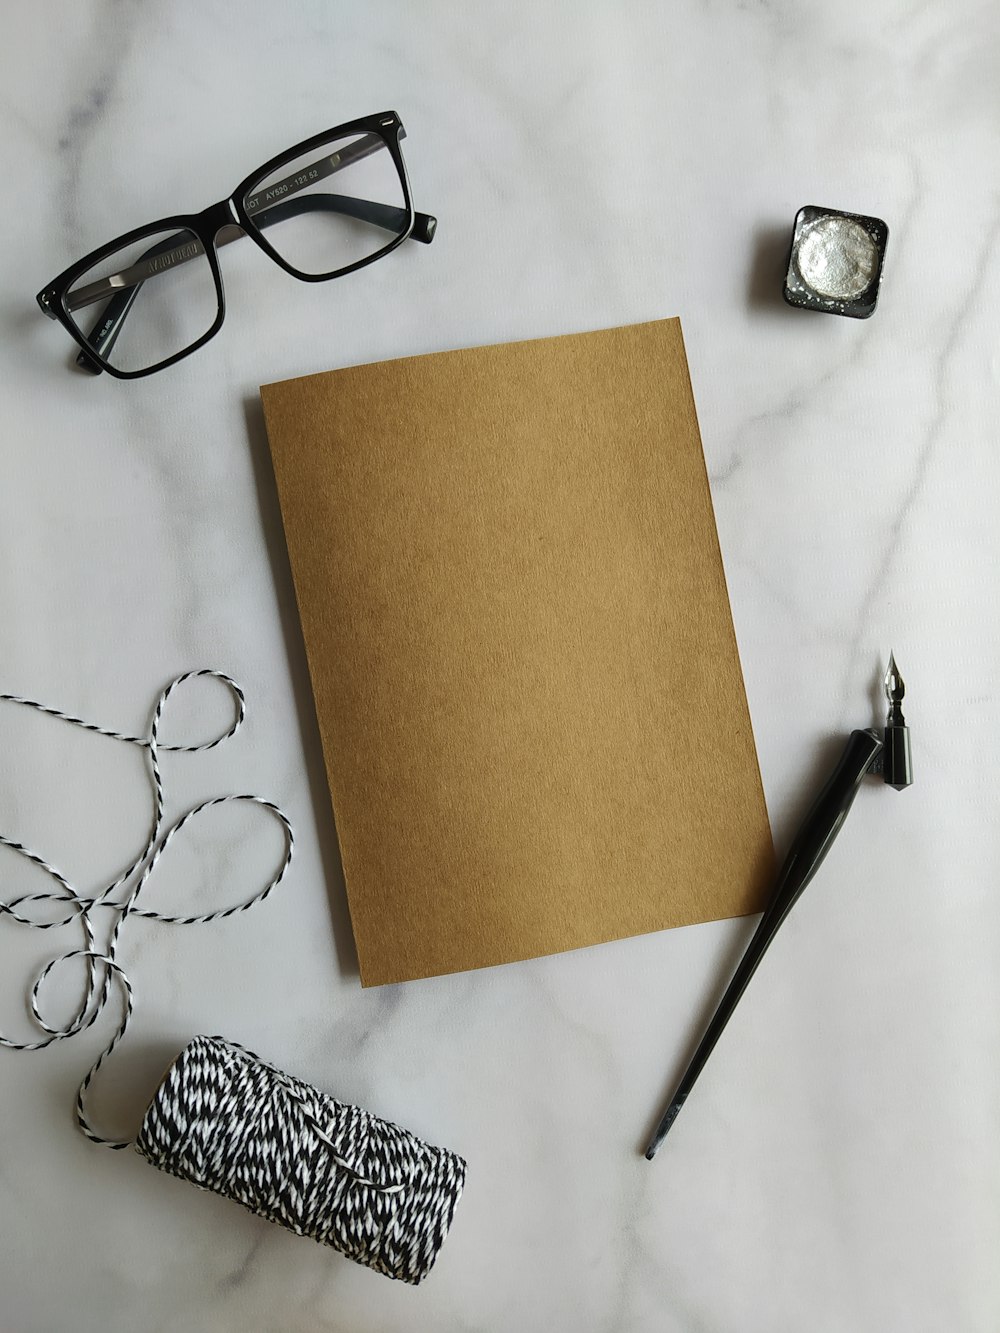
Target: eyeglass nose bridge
<point x="218" y="225"/>
<point x="217" y="219"/>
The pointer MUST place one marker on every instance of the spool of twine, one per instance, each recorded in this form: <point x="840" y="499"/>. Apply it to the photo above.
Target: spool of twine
<point x="229" y="1122"/>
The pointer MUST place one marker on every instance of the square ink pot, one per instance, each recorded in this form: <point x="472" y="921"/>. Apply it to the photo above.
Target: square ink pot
<point x="835" y="262"/>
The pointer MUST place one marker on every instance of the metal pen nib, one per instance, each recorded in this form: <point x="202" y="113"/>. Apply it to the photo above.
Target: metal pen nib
<point x="894" y="686"/>
<point x="897" y="765"/>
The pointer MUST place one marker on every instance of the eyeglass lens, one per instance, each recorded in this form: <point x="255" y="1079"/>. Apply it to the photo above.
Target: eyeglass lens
<point x="336" y="205"/>
<point x="163" y="299"/>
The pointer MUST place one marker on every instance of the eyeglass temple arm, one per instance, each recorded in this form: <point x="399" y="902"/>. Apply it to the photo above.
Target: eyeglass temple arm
<point x="169" y="254"/>
<point x="387" y="216"/>
<point x="105" y="332"/>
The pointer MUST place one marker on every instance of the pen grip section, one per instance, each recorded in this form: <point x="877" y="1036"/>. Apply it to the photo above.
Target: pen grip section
<point x="822" y="824"/>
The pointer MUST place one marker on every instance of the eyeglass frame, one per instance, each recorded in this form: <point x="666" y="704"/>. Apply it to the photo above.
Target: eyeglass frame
<point x="207" y="226"/>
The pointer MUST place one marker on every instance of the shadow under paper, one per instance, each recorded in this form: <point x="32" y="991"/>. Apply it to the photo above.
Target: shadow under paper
<point x="274" y="537"/>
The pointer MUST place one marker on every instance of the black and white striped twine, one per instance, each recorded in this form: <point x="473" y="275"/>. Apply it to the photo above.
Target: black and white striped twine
<point x="295" y="1155"/>
<point x="102" y="964"/>
<point x="222" y="1118"/>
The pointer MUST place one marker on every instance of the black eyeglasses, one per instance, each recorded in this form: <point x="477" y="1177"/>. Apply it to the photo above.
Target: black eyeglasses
<point x="165" y="280"/>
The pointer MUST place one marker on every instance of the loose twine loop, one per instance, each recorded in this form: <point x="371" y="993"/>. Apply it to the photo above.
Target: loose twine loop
<point x="117" y="900"/>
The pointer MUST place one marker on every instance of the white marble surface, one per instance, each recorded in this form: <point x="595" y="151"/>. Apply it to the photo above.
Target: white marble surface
<point x="593" y="163"/>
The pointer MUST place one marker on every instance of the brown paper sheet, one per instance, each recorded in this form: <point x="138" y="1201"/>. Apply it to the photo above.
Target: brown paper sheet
<point x="521" y="648"/>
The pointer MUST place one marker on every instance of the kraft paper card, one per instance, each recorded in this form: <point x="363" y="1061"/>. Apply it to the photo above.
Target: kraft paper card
<point x="521" y="648"/>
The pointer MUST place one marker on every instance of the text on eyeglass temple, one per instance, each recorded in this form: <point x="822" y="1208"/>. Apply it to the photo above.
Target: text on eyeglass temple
<point x="156" y="263"/>
<point x="276" y="191"/>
